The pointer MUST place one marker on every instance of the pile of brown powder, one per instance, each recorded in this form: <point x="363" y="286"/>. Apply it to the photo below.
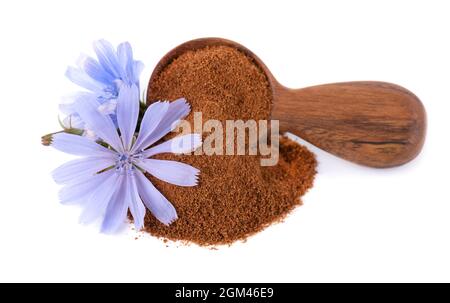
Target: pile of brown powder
<point x="236" y="197"/>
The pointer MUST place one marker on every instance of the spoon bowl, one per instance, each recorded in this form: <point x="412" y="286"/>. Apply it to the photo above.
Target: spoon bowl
<point x="371" y="123"/>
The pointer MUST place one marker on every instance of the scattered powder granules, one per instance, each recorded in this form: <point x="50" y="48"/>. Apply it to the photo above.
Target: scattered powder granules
<point x="236" y="197"/>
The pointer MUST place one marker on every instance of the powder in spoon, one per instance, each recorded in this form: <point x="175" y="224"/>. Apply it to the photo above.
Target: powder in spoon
<point x="236" y="196"/>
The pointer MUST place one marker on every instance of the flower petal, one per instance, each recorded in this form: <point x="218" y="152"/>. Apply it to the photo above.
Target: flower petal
<point x="108" y="59"/>
<point x="127" y="113"/>
<point x="138" y="67"/>
<point x="95" y="71"/>
<point x="66" y="107"/>
<point x="116" y="212"/>
<point x="73" y="121"/>
<point x="108" y="107"/>
<point x="125" y="57"/>
<point x="101" y="125"/>
<point x="152" y="117"/>
<point x="79" y="146"/>
<point x="178" y="110"/>
<point x="82" y="79"/>
<point x="135" y="204"/>
<point x="171" y="171"/>
<point x="160" y="207"/>
<point x="124" y="54"/>
<point x="98" y="201"/>
<point x="177" y="145"/>
<point x="78" y="170"/>
<point x="80" y="192"/>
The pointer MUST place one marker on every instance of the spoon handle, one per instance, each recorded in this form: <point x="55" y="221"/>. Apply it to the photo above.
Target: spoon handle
<point x="376" y="124"/>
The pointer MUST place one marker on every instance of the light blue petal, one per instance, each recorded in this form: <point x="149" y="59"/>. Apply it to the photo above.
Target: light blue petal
<point x="135" y="204"/>
<point x="170" y="171"/>
<point x="108" y="107"/>
<point x="138" y="67"/>
<point x="116" y="212"/>
<point x="96" y="205"/>
<point x="73" y="121"/>
<point x="127" y="113"/>
<point x="124" y="54"/>
<point x="152" y="117"/>
<point x="79" y="146"/>
<point x="108" y="59"/>
<point x="125" y="57"/>
<point x="66" y="108"/>
<point x="177" y="145"/>
<point x="82" y="79"/>
<point x="96" y="72"/>
<point x="159" y="206"/>
<point x="77" y="170"/>
<point x="81" y="192"/>
<point x="177" y="110"/>
<point x="100" y="124"/>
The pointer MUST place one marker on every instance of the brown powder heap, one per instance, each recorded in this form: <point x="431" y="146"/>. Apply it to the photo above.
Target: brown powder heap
<point x="236" y="197"/>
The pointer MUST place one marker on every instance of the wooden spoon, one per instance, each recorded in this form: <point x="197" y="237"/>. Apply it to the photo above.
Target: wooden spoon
<point x="371" y="123"/>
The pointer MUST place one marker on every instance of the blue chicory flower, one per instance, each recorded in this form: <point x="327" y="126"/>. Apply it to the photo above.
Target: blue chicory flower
<point x="103" y="78"/>
<point x="109" y="181"/>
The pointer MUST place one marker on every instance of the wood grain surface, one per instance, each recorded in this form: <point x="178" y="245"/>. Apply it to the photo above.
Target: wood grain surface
<point x="376" y="124"/>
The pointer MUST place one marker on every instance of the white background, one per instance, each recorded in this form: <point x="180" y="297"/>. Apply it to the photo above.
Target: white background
<point x="357" y="224"/>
